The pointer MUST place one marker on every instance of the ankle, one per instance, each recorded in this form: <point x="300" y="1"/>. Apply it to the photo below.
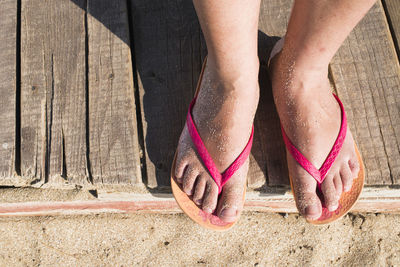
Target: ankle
<point x="296" y="76"/>
<point x="238" y="78"/>
<point x="235" y="67"/>
<point x="306" y="55"/>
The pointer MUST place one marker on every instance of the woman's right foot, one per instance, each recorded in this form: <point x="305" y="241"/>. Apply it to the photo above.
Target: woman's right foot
<point x="311" y="117"/>
<point x="223" y="114"/>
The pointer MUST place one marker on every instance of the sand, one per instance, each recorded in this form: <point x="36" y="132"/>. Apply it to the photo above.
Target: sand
<point x="259" y="239"/>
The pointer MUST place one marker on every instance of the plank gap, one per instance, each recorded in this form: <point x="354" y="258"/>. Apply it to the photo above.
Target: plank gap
<point x="17" y="161"/>
<point x="64" y="163"/>
<point x="49" y="122"/>
<point x="87" y="134"/>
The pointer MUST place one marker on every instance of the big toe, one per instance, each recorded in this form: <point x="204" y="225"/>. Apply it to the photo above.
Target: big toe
<point x="309" y="205"/>
<point x="305" y="190"/>
<point x="230" y="204"/>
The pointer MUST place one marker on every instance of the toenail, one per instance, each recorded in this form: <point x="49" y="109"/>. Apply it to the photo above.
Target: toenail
<point x="228" y="212"/>
<point x="207" y="210"/>
<point x="333" y="207"/>
<point x="188" y="192"/>
<point x="197" y="201"/>
<point x="312" y="212"/>
<point x="347" y="188"/>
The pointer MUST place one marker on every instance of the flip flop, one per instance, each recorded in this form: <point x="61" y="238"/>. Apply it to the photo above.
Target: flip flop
<point x="185" y="202"/>
<point x="347" y="199"/>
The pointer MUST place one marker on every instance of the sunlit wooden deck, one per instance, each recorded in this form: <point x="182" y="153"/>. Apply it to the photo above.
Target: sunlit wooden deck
<point x="94" y="93"/>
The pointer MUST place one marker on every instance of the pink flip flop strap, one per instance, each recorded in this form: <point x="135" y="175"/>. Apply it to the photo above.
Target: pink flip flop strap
<point x="319" y="174"/>
<point x="219" y="178"/>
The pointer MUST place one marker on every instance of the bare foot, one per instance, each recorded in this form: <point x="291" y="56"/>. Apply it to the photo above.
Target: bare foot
<point x="311" y="117"/>
<point x="223" y="113"/>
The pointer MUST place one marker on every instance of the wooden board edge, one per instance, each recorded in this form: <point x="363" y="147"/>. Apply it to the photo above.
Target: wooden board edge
<point x="392" y="18"/>
<point x="393" y="37"/>
<point x="372" y="200"/>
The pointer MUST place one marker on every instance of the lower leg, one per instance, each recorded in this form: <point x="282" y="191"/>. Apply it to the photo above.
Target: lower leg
<point x="317" y="28"/>
<point x="230" y="30"/>
<point x="308" y="112"/>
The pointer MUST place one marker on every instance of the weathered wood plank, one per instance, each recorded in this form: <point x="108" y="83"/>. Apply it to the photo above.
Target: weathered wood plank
<point x="168" y="52"/>
<point x="113" y="137"/>
<point x="393" y="16"/>
<point x="8" y="34"/>
<point x="371" y="200"/>
<point x="53" y="102"/>
<point x="367" y="77"/>
<point x="274" y="16"/>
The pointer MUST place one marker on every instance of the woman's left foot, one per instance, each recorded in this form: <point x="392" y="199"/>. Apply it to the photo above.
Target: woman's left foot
<point x="311" y="117"/>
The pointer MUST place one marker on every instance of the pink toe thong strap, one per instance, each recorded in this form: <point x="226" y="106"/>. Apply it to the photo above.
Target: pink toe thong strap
<point x="219" y="178"/>
<point x="319" y="174"/>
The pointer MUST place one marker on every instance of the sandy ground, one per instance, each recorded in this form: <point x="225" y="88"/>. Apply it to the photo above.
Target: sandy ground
<point x="259" y="239"/>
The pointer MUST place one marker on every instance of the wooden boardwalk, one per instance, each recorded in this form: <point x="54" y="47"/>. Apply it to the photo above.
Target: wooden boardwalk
<point x="93" y="95"/>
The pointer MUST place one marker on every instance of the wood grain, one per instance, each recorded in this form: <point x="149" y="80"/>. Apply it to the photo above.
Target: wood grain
<point x="53" y="102"/>
<point x="371" y="200"/>
<point x="113" y="136"/>
<point x="169" y="51"/>
<point x="274" y="16"/>
<point x="8" y="49"/>
<point x="367" y="78"/>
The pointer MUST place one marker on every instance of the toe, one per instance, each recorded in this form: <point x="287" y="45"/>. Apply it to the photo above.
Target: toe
<point x="307" y="200"/>
<point x="189" y="177"/>
<point x="199" y="189"/>
<point x="329" y="191"/>
<point x="347" y="178"/>
<point x="179" y="170"/>
<point x="231" y="202"/>
<point x="337" y="181"/>
<point x="309" y="205"/>
<point x="210" y="197"/>
<point x="354" y="166"/>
